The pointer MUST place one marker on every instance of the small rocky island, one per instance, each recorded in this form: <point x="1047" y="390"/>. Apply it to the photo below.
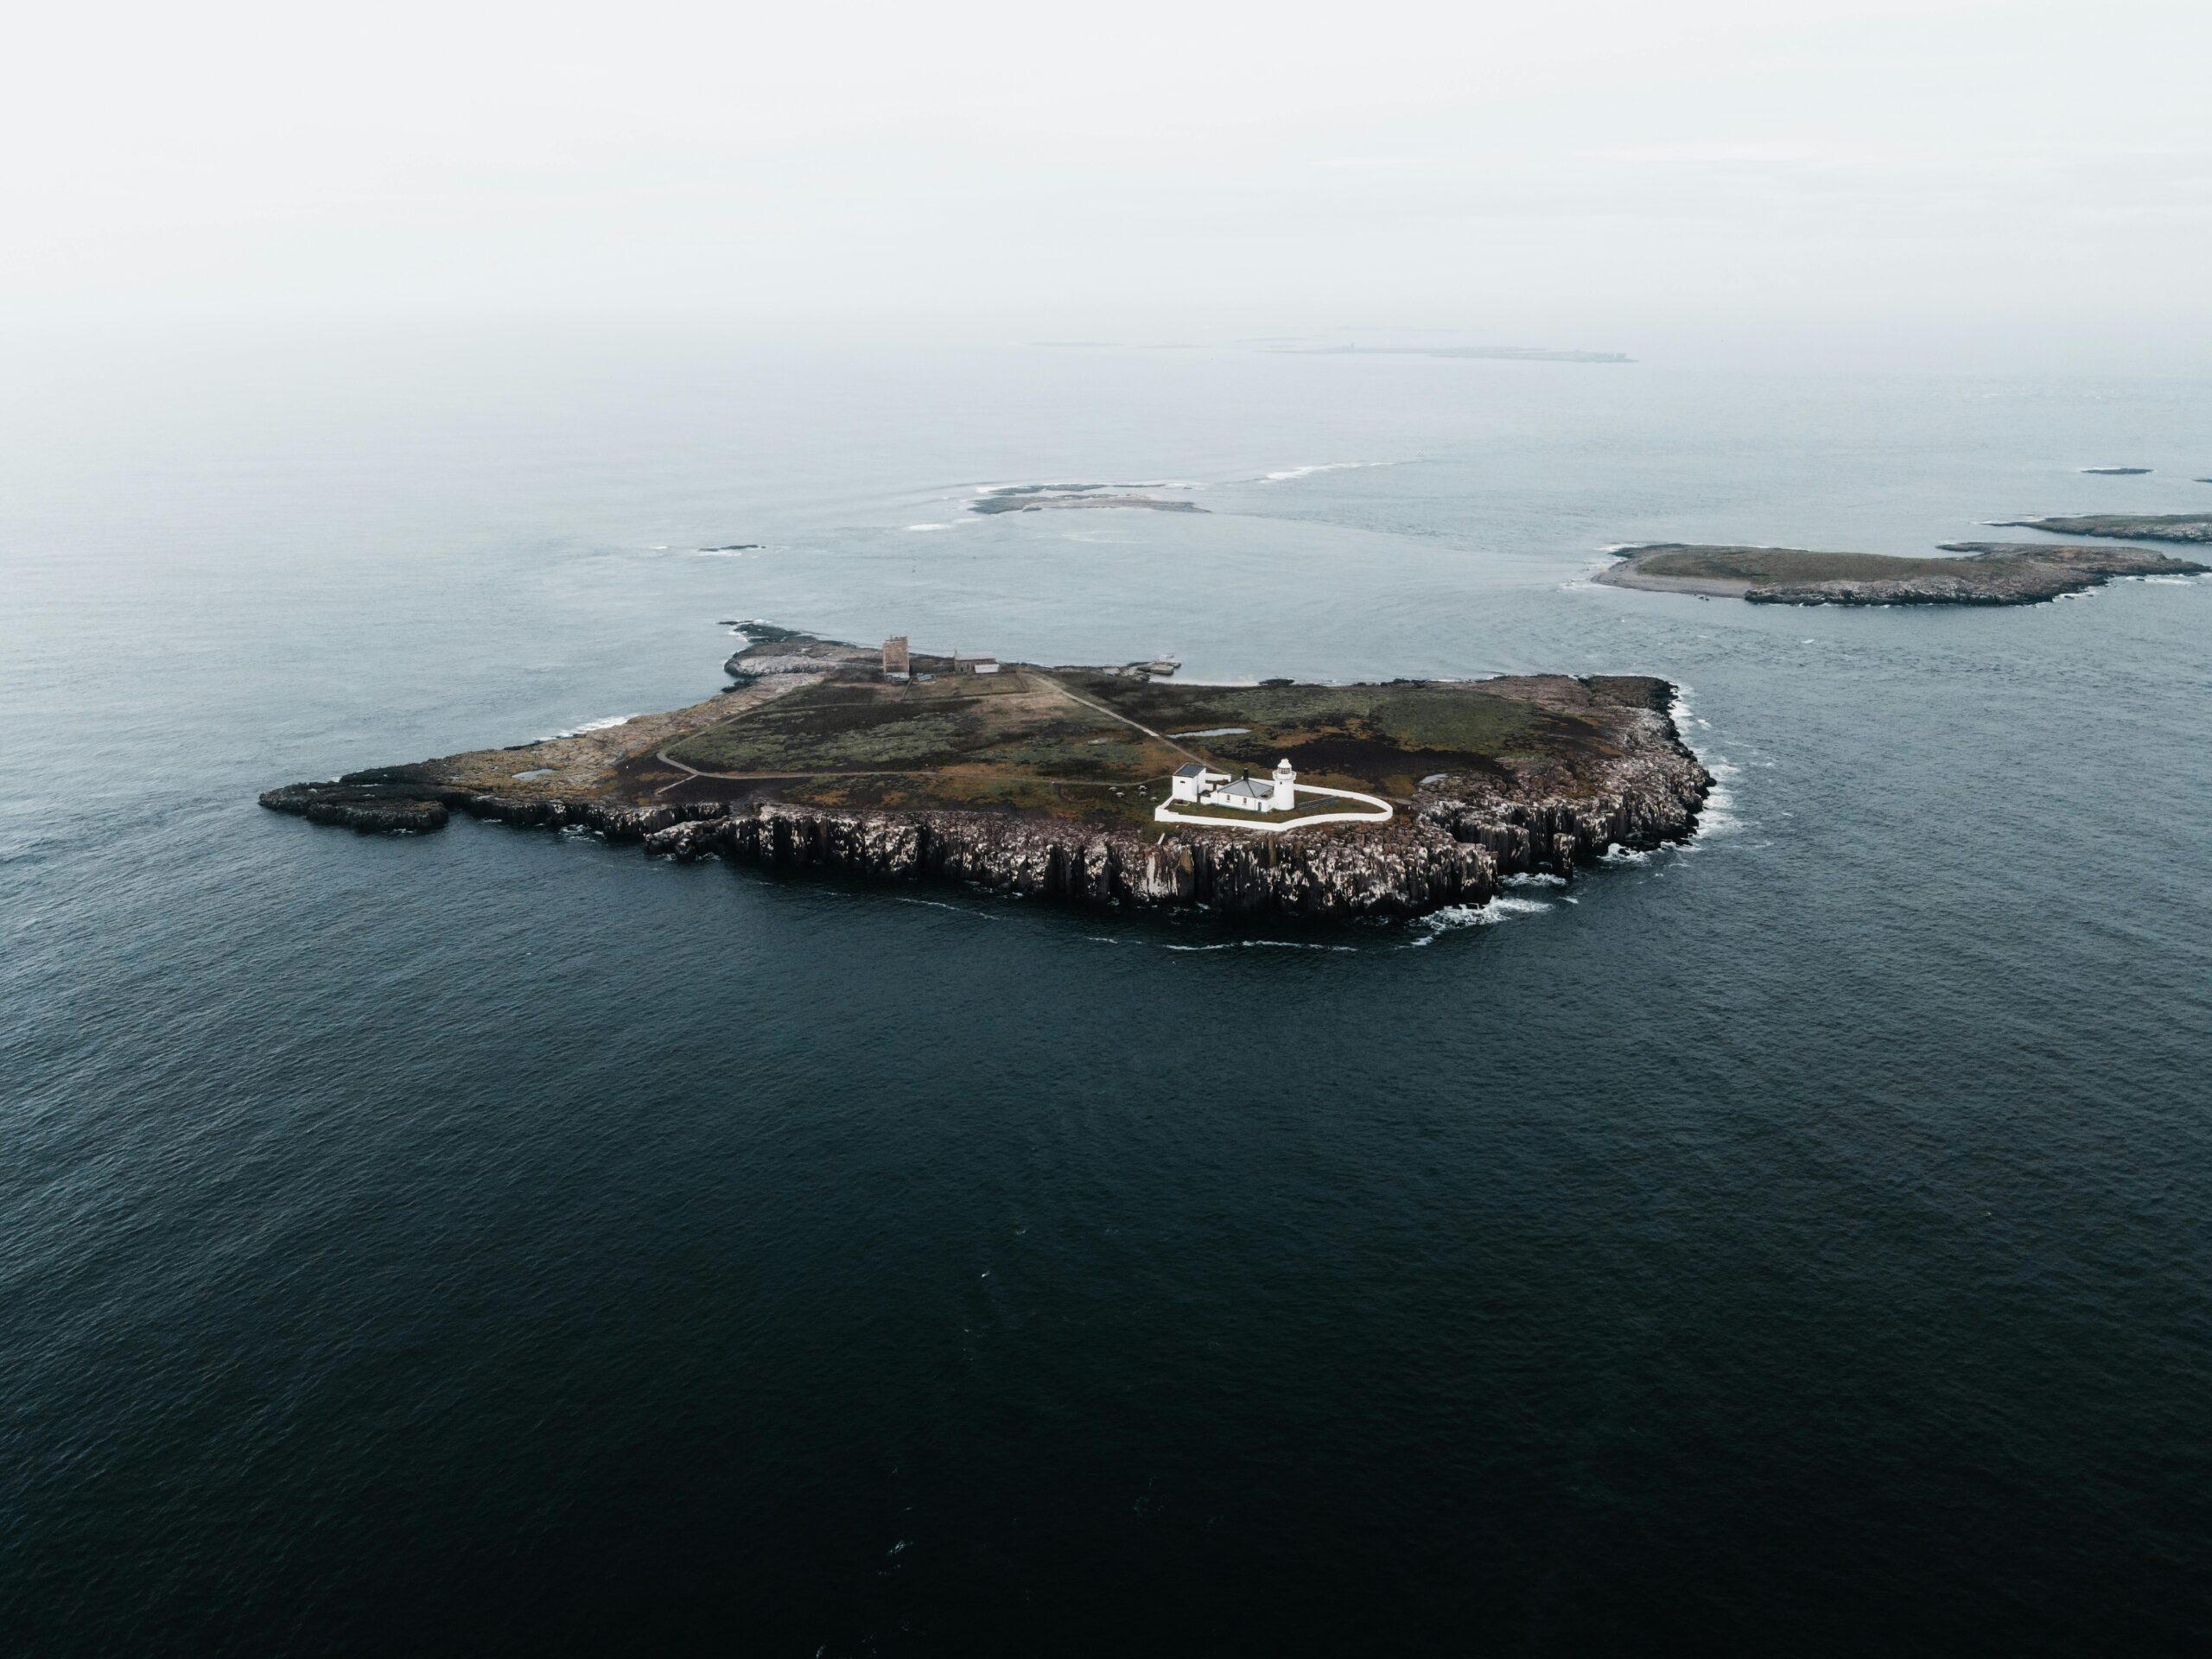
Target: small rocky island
<point x="2126" y="526"/>
<point x="1983" y="573"/>
<point x="896" y="764"/>
<point x="1071" y="498"/>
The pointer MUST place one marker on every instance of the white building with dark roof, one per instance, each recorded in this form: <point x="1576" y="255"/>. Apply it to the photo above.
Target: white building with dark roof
<point x="1202" y="786"/>
<point x="1190" y="781"/>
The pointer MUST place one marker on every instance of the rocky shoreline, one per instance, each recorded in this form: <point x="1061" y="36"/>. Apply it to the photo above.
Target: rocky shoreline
<point x="2194" y="527"/>
<point x="1985" y="573"/>
<point x="1453" y="848"/>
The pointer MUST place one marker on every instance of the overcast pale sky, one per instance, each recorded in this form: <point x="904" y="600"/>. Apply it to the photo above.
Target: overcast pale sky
<point x="1593" y="175"/>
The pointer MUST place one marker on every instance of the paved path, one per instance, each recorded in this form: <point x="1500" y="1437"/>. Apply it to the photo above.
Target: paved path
<point x="1158" y="737"/>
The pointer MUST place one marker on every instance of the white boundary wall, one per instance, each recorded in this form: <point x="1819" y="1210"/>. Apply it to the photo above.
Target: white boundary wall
<point x="1381" y="812"/>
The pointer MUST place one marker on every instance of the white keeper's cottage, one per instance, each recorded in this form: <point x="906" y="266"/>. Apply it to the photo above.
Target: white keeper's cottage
<point x="1204" y="786"/>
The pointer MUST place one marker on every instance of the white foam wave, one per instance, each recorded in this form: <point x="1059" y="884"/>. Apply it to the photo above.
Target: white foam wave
<point x="945" y="526"/>
<point x="1534" y="878"/>
<point x="719" y="552"/>
<point x="607" y="724"/>
<point x="1454" y="917"/>
<point x="1260" y="944"/>
<point x="1289" y="473"/>
<point x="1717" y="816"/>
<point x="939" y="904"/>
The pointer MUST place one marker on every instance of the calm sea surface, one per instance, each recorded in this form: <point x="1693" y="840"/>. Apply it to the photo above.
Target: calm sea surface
<point x="1801" y="1241"/>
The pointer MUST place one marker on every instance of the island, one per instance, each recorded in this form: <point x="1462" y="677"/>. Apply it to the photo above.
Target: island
<point x="1051" y="498"/>
<point x="1488" y="353"/>
<point x="2116" y="472"/>
<point x="1985" y="573"/>
<point x="1102" y="786"/>
<point x="2125" y="526"/>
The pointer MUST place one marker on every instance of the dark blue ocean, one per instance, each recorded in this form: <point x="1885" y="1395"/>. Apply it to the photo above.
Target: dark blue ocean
<point x="1798" y="1242"/>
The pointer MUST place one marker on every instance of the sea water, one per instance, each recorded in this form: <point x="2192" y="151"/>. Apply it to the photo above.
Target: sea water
<point x="1799" y="1238"/>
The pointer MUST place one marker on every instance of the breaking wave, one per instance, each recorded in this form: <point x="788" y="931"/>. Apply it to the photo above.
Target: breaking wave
<point x="1261" y="945"/>
<point x="975" y="910"/>
<point x="1452" y="917"/>
<point x="1717" y="816"/>
<point x="1290" y="473"/>
<point x="607" y="724"/>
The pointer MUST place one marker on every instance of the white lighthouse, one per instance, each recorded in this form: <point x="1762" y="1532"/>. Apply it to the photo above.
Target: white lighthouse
<point x="1285" y="787"/>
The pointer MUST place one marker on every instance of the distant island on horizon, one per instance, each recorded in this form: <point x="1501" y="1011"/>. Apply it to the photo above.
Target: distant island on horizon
<point x="1283" y="345"/>
<point x="1060" y="498"/>
<point x="1499" y="353"/>
<point x="1983" y="573"/>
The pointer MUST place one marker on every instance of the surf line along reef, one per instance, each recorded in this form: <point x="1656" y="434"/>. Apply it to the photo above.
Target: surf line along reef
<point x="894" y="765"/>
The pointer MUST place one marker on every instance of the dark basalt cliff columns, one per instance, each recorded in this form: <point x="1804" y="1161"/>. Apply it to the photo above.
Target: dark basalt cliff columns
<point x="1460" y="836"/>
<point x="1454" y="848"/>
<point x="372" y="808"/>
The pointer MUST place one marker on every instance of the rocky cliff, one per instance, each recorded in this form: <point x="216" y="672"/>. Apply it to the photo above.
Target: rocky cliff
<point x="1453" y="848"/>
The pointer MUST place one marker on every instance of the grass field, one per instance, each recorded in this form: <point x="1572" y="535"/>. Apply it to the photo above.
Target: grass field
<point x="1384" y="738"/>
<point x="1014" y="722"/>
<point x="1025" y="739"/>
<point x="1768" y="566"/>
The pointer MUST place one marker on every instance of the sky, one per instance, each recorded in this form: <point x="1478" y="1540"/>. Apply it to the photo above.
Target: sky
<point x="1600" y="175"/>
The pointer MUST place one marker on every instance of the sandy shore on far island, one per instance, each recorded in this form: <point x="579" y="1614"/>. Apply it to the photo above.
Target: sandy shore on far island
<point x="1627" y="575"/>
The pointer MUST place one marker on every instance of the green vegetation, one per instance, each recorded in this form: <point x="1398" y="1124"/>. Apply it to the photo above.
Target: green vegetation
<point x="1992" y="573"/>
<point x="2128" y="526"/>
<point x="1013" y="723"/>
<point x="1031" y="741"/>
<point x="817" y="724"/>
<point x="1382" y="738"/>
<point x="1762" y="565"/>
